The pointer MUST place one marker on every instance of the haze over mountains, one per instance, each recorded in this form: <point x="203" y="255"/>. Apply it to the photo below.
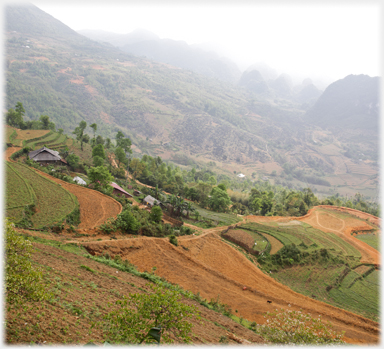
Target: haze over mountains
<point x="201" y="58"/>
<point x="194" y="107"/>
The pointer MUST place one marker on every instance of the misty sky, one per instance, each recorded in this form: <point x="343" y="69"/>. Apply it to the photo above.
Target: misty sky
<point x="324" y="39"/>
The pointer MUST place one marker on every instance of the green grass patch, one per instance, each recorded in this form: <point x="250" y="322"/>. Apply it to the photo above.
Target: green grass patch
<point x="217" y="218"/>
<point x="354" y="293"/>
<point x="18" y="192"/>
<point x="371" y="239"/>
<point x="53" y="203"/>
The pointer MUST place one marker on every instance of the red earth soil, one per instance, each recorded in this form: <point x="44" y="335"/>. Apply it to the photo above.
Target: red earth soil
<point x="208" y="265"/>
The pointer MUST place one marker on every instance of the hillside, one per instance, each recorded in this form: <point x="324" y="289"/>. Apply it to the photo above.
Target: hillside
<point x="182" y="116"/>
<point x="331" y="253"/>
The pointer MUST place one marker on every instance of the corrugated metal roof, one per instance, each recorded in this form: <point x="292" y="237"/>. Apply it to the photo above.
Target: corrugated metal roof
<point x="116" y="186"/>
<point x="151" y="200"/>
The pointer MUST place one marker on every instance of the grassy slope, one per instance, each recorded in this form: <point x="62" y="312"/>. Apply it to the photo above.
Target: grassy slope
<point x="81" y="290"/>
<point x="53" y="201"/>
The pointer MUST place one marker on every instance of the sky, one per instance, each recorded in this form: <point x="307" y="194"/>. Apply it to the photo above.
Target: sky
<point x="319" y="40"/>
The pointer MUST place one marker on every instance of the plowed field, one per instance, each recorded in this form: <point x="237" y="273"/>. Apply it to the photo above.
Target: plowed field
<point x="208" y="265"/>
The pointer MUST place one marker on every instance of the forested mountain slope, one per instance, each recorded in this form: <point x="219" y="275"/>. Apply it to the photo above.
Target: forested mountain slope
<point x="177" y="114"/>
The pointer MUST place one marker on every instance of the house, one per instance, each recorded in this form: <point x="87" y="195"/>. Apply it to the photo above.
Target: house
<point x="79" y="180"/>
<point x="137" y="193"/>
<point x="240" y="175"/>
<point x="119" y="191"/>
<point x="151" y="201"/>
<point x="46" y="156"/>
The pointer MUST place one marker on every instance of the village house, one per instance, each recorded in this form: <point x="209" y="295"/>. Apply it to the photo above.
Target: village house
<point x="45" y="156"/>
<point x="137" y="192"/>
<point x="151" y="201"/>
<point x="118" y="191"/>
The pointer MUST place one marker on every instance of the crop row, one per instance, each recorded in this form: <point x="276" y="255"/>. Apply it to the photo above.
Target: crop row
<point x="53" y="202"/>
<point x="18" y="192"/>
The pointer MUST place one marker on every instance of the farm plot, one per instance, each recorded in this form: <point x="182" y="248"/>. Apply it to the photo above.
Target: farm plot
<point x="18" y="192"/>
<point x="247" y="238"/>
<point x="307" y="238"/>
<point x="360" y="295"/>
<point x="53" y="203"/>
<point x="371" y="239"/>
<point x="356" y="294"/>
<point x="222" y="219"/>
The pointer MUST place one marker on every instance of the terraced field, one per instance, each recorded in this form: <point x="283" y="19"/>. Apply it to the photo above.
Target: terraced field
<point x="53" y="203"/>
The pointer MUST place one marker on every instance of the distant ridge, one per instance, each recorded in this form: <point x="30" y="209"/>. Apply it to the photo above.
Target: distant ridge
<point x="349" y="103"/>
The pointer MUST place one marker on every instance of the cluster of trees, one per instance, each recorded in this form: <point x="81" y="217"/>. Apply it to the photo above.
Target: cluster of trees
<point x="15" y="118"/>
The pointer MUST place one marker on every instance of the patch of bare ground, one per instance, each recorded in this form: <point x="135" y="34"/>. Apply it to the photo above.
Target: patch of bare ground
<point x="82" y="289"/>
<point x="208" y="265"/>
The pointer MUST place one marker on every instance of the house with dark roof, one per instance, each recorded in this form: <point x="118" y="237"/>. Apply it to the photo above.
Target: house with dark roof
<point x="46" y="156"/>
<point x="119" y="191"/>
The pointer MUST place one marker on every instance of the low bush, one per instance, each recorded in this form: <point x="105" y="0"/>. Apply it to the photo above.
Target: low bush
<point x="295" y="327"/>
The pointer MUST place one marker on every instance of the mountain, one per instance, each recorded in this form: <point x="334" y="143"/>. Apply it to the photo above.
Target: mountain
<point x="175" y="113"/>
<point x="176" y="53"/>
<point x="349" y="103"/>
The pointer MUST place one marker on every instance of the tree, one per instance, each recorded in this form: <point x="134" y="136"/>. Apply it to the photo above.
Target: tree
<point x="98" y="150"/>
<point x="13" y="118"/>
<point x="127" y="223"/>
<point x="79" y="132"/>
<point x="156" y="214"/>
<point x="94" y="127"/>
<point x="120" y="156"/>
<point x="219" y="200"/>
<point x="100" y="176"/>
<point x="98" y="161"/>
<point x="108" y="143"/>
<point x="44" y="119"/>
<point x="138" y="313"/>
<point x="73" y="160"/>
<point x="22" y="280"/>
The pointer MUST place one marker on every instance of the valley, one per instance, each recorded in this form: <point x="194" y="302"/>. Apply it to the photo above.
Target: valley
<point x="140" y="169"/>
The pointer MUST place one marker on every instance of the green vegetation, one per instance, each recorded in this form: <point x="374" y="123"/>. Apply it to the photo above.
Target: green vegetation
<point x="296" y="327"/>
<point x="138" y="313"/>
<point x="23" y="281"/>
<point x="372" y="240"/>
<point x="53" y="202"/>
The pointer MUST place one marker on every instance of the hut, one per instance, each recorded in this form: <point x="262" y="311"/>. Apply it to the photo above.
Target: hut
<point x="118" y="191"/>
<point x="137" y="192"/>
<point x="46" y="156"/>
<point x="151" y="201"/>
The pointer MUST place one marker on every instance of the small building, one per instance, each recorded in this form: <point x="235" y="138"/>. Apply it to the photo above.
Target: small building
<point x="151" y="201"/>
<point x="46" y="156"/>
<point x="240" y="175"/>
<point x="79" y="180"/>
<point x="119" y="191"/>
<point x="137" y="193"/>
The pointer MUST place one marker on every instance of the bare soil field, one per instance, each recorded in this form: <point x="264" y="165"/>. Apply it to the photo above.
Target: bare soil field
<point x="81" y="296"/>
<point x="208" y="265"/>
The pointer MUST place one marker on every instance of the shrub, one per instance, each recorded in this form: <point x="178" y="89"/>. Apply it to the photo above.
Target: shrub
<point x="173" y="240"/>
<point x="138" y="313"/>
<point x="156" y="214"/>
<point x="290" y="326"/>
<point x="22" y="280"/>
<point x="127" y="223"/>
